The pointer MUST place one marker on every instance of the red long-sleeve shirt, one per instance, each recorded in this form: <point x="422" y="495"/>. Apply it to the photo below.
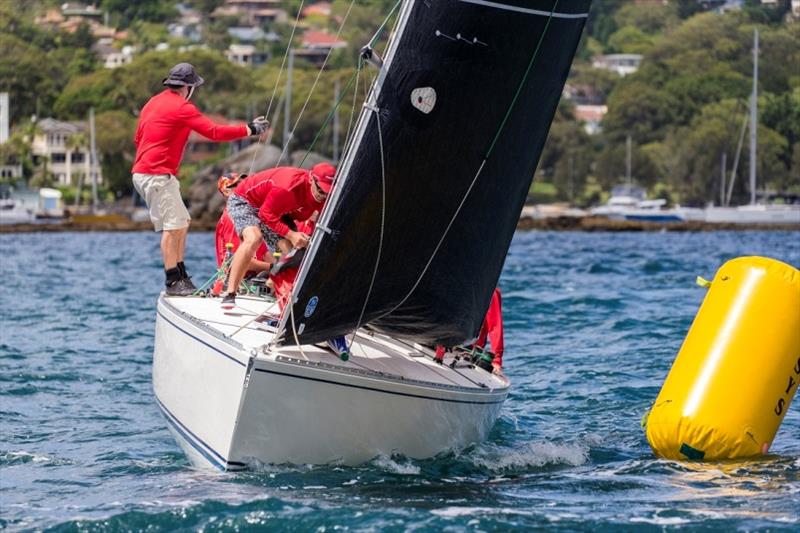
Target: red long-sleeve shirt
<point x="280" y="192"/>
<point x="164" y="126"/>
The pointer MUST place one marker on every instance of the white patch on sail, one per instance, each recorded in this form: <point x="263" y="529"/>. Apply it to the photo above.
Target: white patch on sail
<point x="423" y="98"/>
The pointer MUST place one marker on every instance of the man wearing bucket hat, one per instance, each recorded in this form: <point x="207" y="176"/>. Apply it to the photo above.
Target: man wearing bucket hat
<point x="164" y="126"/>
<point x="267" y="206"/>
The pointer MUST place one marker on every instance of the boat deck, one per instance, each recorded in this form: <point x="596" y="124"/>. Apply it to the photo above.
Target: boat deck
<point x="251" y="325"/>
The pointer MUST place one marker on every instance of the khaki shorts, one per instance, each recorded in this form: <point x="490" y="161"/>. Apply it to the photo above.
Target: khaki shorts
<point x="162" y="193"/>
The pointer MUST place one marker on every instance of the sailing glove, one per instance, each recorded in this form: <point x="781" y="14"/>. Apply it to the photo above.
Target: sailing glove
<point x="258" y="126"/>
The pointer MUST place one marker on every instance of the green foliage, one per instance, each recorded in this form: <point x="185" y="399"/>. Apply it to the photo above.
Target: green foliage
<point x="630" y="40"/>
<point x="127" y="11"/>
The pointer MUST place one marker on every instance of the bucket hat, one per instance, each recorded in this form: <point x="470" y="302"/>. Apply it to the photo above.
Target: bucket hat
<point x="183" y="74"/>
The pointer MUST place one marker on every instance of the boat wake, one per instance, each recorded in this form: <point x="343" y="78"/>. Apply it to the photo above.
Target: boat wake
<point x="529" y="456"/>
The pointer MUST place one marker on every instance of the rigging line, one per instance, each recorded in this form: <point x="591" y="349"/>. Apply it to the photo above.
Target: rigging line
<point x="277" y="81"/>
<point x="480" y="169"/>
<point x="348" y="140"/>
<point x="345" y="158"/>
<point x="524" y="79"/>
<point x="294" y="331"/>
<point x="328" y="118"/>
<point x="377" y="113"/>
<point x="383" y="24"/>
<point x="314" y="85"/>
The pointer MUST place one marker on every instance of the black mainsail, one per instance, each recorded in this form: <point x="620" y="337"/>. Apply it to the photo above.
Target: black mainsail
<point x="414" y="237"/>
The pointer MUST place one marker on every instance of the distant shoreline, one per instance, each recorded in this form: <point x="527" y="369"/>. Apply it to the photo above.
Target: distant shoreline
<point x="587" y="224"/>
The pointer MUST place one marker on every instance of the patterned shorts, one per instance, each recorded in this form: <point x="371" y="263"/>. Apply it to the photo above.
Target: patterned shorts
<point x="245" y="215"/>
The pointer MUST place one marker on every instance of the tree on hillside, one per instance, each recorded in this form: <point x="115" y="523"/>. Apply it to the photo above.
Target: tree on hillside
<point x="141" y="10"/>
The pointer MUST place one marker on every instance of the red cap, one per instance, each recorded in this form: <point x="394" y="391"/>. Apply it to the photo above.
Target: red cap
<point x="228" y="180"/>
<point x="324" y="173"/>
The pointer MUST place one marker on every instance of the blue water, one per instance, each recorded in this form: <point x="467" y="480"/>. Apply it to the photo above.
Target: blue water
<point x="593" y="322"/>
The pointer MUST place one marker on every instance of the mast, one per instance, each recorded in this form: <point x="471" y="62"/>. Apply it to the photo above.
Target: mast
<point x="287" y="127"/>
<point x="754" y="120"/>
<point x="628" y="160"/>
<point x="93" y="158"/>
<point x="723" y="169"/>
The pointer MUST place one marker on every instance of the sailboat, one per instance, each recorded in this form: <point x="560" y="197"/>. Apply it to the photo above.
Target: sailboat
<point x="754" y="212"/>
<point x="405" y="257"/>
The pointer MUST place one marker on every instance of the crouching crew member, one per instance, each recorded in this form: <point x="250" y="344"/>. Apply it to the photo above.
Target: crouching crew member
<point x="161" y="134"/>
<point x="264" y="206"/>
<point x="225" y="232"/>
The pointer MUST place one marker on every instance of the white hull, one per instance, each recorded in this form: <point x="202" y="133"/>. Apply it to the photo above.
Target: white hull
<point x="231" y="401"/>
<point x="754" y="214"/>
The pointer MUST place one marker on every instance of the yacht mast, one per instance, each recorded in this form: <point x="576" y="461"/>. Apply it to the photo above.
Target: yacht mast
<point x="287" y="127"/>
<point x="754" y="120"/>
<point x="628" y="160"/>
<point x="93" y="158"/>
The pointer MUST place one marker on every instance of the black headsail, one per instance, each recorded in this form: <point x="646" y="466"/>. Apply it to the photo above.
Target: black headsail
<point x="427" y="199"/>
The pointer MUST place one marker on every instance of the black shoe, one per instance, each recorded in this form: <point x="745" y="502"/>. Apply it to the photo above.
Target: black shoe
<point x="228" y="301"/>
<point x="182" y="287"/>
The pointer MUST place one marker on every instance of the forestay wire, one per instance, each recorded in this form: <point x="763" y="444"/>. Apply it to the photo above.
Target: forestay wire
<point x="347" y="147"/>
<point x="314" y="86"/>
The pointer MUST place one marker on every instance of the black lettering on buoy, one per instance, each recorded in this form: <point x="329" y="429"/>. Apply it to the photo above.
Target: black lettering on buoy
<point x="797" y="367"/>
<point x="779" y="407"/>
<point x="790" y="385"/>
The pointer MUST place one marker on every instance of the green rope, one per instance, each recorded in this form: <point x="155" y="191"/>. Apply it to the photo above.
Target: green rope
<point x="522" y="83"/>
<point x="383" y="25"/>
<point x="327" y="120"/>
<point x="330" y="114"/>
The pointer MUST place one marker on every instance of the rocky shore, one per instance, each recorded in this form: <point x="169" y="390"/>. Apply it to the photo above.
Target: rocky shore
<point x="206" y="204"/>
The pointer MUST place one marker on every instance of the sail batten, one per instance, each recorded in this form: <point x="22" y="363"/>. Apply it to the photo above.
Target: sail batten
<point x="454" y="185"/>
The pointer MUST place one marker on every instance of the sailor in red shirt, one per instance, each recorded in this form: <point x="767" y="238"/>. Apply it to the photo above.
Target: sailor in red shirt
<point x="267" y="206"/>
<point x="164" y="126"/>
<point x="492" y="329"/>
<point x="225" y="232"/>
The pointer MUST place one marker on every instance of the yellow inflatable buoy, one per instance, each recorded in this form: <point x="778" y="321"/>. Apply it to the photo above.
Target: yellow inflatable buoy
<point x="738" y="369"/>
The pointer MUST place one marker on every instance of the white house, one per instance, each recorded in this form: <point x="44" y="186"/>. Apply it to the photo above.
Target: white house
<point x="622" y="64"/>
<point x="246" y="55"/>
<point x="112" y="57"/>
<point x="64" y="148"/>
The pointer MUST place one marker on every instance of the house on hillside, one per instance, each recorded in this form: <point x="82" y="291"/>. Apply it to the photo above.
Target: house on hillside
<point x="81" y="12"/>
<point x="591" y="116"/>
<point x="252" y="12"/>
<point x="320" y="9"/>
<point x="110" y="56"/>
<point x="246" y="55"/>
<point x="622" y="64"/>
<point x="316" y="45"/>
<point x="62" y="148"/>
<point x="246" y="34"/>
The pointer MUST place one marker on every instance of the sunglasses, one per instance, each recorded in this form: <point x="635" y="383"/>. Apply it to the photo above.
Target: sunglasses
<point x="318" y="189"/>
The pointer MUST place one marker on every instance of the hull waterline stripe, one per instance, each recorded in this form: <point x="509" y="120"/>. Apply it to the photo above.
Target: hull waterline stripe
<point x="201" y="341"/>
<point x="216" y="459"/>
<point x="526" y="10"/>
<point x="265" y="371"/>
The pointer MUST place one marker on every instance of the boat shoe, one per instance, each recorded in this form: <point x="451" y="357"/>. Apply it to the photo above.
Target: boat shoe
<point x="182" y="287"/>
